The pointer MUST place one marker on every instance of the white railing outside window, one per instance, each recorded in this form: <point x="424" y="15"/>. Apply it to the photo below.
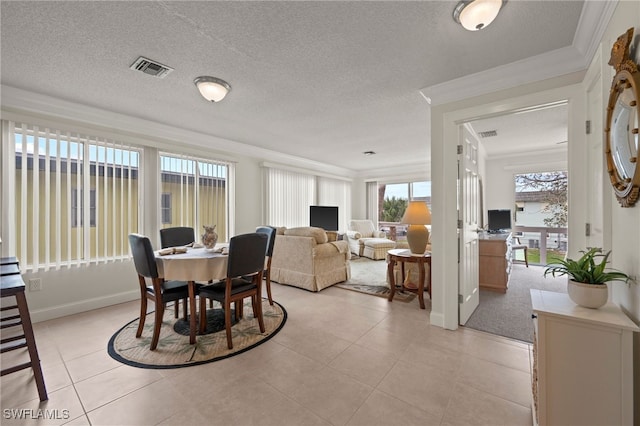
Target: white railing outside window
<point x="74" y="197"/>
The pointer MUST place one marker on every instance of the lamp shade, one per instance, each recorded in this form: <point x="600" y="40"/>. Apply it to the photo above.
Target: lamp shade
<point x="211" y="88"/>
<point x="417" y="213"/>
<point x="417" y="216"/>
<point x="476" y="14"/>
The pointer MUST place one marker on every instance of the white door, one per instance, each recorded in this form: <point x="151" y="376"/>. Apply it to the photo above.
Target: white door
<point x="468" y="216"/>
<point x="594" y="229"/>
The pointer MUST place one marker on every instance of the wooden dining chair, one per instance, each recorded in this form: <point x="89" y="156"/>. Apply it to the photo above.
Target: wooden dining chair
<point x="152" y="287"/>
<point x="175" y="237"/>
<point x="245" y="266"/>
<point x="270" y="232"/>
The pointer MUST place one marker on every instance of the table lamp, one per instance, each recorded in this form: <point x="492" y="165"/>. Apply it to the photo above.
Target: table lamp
<point x="417" y="216"/>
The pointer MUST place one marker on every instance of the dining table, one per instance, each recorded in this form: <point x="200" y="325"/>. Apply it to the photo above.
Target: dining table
<point x="192" y="264"/>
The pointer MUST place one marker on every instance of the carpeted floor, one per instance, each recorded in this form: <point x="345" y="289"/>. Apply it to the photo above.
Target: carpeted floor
<point x="174" y="350"/>
<point x="370" y="277"/>
<point x="509" y="314"/>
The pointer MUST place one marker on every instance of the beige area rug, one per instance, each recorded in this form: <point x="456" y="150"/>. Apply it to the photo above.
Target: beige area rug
<point x="174" y="350"/>
<point x="370" y="277"/>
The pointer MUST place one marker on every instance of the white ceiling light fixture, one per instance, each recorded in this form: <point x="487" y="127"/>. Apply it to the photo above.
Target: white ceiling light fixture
<point x="475" y="15"/>
<point x="211" y="88"/>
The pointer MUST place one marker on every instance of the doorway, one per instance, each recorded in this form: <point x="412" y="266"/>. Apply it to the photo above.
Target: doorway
<point x="524" y="151"/>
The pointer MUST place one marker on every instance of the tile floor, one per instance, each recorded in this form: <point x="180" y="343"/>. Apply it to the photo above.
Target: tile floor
<point x="343" y="358"/>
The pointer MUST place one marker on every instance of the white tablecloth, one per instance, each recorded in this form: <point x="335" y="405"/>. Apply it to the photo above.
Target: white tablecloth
<point x="197" y="264"/>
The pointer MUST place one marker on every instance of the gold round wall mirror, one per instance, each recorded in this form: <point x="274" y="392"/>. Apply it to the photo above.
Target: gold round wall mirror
<point x="623" y="118"/>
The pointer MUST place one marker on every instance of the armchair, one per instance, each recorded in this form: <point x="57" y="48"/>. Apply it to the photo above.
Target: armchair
<point x="365" y="240"/>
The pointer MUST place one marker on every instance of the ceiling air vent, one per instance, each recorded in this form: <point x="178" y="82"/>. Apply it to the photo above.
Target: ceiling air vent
<point x="150" y="67"/>
<point x="488" y="134"/>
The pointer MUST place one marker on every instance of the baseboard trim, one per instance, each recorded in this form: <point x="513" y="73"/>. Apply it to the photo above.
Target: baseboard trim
<point x="437" y="319"/>
<point x="83" y="306"/>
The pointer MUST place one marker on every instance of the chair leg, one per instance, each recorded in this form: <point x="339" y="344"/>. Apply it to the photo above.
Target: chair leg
<point x="185" y="308"/>
<point x="268" y="285"/>
<point x="203" y="314"/>
<point x="176" y="308"/>
<point x="27" y="328"/>
<point x="257" y="306"/>
<point x="143" y="315"/>
<point x="227" y="322"/>
<point x="526" y="261"/>
<point x="157" y="325"/>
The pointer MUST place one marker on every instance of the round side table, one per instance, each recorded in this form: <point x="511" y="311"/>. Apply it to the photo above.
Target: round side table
<point x="403" y="256"/>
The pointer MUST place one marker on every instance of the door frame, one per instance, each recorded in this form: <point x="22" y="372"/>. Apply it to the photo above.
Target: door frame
<point x="445" y="136"/>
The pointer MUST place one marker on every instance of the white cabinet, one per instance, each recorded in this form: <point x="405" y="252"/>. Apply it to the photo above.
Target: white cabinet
<point x="582" y="363"/>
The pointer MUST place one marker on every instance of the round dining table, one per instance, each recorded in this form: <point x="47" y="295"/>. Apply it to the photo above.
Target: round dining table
<point x="196" y="264"/>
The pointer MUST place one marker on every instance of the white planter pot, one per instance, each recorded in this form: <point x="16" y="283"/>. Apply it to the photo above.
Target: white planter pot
<point x="587" y="295"/>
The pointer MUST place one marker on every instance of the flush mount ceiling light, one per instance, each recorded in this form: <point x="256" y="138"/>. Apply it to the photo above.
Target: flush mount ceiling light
<point x="211" y="88"/>
<point x="475" y="15"/>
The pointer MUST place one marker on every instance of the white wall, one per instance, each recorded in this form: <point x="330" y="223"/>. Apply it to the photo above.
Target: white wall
<point x="625" y="222"/>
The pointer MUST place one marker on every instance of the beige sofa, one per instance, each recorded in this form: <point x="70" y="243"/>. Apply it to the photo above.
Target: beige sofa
<point x="303" y="257"/>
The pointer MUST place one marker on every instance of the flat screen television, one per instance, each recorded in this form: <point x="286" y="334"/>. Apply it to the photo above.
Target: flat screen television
<point x="325" y="217"/>
<point x="499" y="220"/>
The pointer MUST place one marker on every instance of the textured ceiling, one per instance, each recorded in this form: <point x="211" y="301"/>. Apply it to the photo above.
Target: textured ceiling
<point x="319" y="80"/>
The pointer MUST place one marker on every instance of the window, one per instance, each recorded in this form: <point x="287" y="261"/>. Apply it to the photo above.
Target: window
<point x="77" y="208"/>
<point x="194" y="192"/>
<point x="59" y="182"/>
<point x="165" y="207"/>
<point x="393" y="201"/>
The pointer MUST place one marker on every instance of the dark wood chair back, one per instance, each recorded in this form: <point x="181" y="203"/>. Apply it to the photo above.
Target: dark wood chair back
<point x="143" y="256"/>
<point x="176" y="236"/>
<point x="246" y="254"/>
<point x="270" y="232"/>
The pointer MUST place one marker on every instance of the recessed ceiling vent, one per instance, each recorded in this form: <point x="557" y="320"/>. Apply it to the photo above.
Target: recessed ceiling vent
<point x="488" y="134"/>
<point x="150" y="67"/>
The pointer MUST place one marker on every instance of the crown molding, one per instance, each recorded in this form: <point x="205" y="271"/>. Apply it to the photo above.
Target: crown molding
<point x="560" y="153"/>
<point x="22" y="101"/>
<point x="593" y="22"/>
<point x="398" y="173"/>
<point x="591" y="26"/>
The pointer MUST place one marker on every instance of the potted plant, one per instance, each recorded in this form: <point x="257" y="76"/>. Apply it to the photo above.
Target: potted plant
<point x="587" y="277"/>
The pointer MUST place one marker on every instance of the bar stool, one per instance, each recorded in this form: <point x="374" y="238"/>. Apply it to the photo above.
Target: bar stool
<point x="11" y="284"/>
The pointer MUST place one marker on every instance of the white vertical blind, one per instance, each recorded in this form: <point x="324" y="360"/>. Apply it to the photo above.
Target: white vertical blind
<point x="66" y="214"/>
<point x="288" y="196"/>
<point x="372" y="203"/>
<point x="336" y="192"/>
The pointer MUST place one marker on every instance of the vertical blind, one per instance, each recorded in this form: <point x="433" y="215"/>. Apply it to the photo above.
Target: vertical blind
<point x="194" y="192"/>
<point x="288" y="196"/>
<point x="335" y="192"/>
<point x="76" y="196"/>
<point x="372" y="202"/>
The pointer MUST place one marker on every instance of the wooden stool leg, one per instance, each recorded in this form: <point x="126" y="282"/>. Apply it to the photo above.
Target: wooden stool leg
<point x="31" y="345"/>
